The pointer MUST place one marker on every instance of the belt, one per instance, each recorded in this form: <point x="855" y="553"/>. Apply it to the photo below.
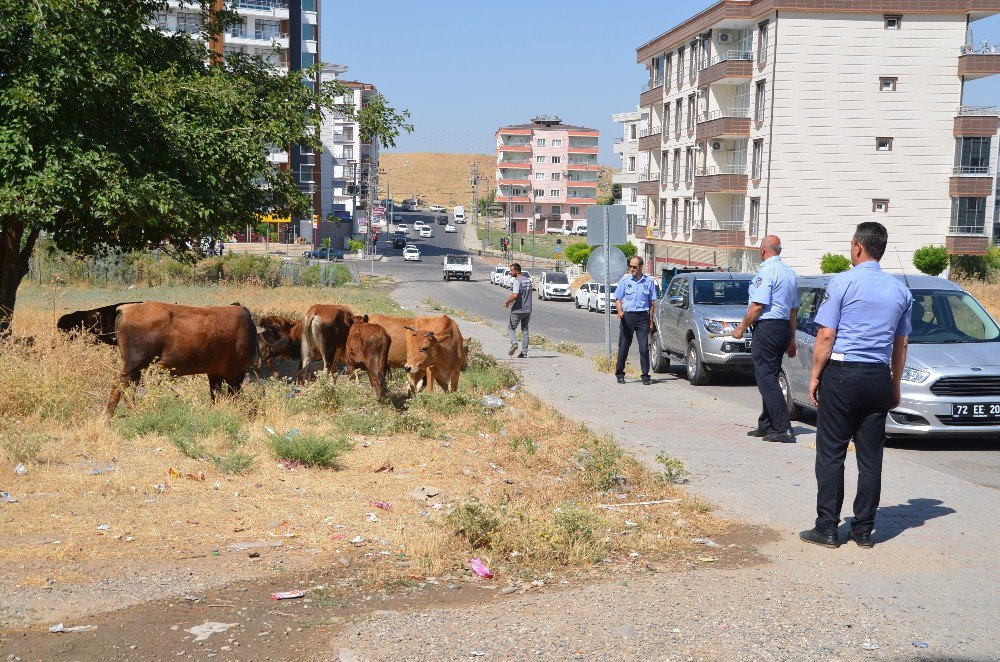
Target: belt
<point x="638" y="311"/>
<point x="859" y="364"/>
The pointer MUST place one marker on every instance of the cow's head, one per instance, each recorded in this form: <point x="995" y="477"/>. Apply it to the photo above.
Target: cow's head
<point x="99" y="322"/>
<point x="421" y="348"/>
<point x="276" y="333"/>
<point x="357" y="319"/>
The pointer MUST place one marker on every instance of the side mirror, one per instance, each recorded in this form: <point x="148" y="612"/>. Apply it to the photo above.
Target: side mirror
<point x="676" y="300"/>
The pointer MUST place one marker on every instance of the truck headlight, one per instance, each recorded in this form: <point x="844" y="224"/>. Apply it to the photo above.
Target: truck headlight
<point x="718" y="327"/>
<point x="914" y="375"/>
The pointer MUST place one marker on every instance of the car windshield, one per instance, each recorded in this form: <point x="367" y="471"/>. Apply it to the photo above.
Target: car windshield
<point x="556" y="279"/>
<point x="950" y="316"/>
<point x="722" y="292"/>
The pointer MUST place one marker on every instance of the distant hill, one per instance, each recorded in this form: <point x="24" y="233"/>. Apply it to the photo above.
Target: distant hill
<point x="443" y="179"/>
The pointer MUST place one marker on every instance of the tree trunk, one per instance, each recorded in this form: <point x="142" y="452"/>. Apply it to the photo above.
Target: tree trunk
<point x="13" y="265"/>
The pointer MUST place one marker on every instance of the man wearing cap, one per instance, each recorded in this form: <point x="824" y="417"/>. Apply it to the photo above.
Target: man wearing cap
<point x="857" y="366"/>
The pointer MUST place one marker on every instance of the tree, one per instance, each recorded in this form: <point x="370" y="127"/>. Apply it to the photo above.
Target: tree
<point x="616" y="192"/>
<point x="931" y="260"/>
<point x="118" y="136"/>
<point x="833" y="263"/>
<point x="629" y="249"/>
<point x="977" y="267"/>
<point x="578" y="253"/>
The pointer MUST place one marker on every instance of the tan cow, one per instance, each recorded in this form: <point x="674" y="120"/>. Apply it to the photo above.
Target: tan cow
<point x="435" y="353"/>
<point x="324" y="333"/>
<point x="217" y="341"/>
<point x="368" y="348"/>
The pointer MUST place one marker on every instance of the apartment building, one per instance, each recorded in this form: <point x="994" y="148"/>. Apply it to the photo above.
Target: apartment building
<point x="349" y="160"/>
<point x="546" y="171"/>
<point x="627" y="177"/>
<point x="802" y="119"/>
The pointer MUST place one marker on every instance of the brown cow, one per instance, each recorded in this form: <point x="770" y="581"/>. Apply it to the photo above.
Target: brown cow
<point x="97" y="321"/>
<point x="435" y="352"/>
<point x="218" y="341"/>
<point x="280" y="337"/>
<point x="368" y="349"/>
<point x="324" y="333"/>
<point x="396" y="328"/>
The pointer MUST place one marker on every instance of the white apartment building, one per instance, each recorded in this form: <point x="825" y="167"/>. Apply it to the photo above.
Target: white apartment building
<point x="802" y="119"/>
<point x="349" y="164"/>
<point x="627" y="146"/>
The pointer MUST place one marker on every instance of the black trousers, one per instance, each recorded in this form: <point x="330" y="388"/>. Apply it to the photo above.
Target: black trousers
<point x="854" y="399"/>
<point x="770" y="340"/>
<point x="638" y="324"/>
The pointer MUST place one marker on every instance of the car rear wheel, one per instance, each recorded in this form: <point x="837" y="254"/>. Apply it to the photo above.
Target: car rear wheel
<point x="576" y="302"/>
<point x="657" y="361"/>
<point x="697" y="373"/>
<point x="794" y="410"/>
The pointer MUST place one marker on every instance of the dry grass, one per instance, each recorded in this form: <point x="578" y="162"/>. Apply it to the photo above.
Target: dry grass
<point x="988" y="294"/>
<point x="141" y="474"/>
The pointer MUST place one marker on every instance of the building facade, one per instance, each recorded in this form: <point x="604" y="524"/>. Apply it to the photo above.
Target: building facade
<point x="627" y="177"/>
<point x="803" y="119"/>
<point x="546" y="170"/>
<point x="349" y="161"/>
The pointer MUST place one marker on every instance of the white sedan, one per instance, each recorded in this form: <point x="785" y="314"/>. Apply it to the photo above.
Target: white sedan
<point x="426" y="231"/>
<point x="418" y="224"/>
<point x="436" y="208"/>
<point x="599" y="294"/>
<point x="496" y="274"/>
<point x="450" y="228"/>
<point x="583" y="294"/>
<point x="401" y="227"/>
<point x="411" y="253"/>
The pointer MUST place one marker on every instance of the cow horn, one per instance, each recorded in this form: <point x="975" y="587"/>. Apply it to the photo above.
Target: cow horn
<point x="410" y="328"/>
<point x="429" y="334"/>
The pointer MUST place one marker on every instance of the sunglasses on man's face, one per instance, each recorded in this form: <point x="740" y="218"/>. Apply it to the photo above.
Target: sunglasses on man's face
<point x="634" y="266"/>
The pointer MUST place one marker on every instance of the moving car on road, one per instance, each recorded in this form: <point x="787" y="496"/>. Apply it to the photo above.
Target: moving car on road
<point x="951" y="381"/>
<point x="418" y="224"/>
<point x="450" y="228"/>
<point x="401" y="228"/>
<point x="426" y="231"/>
<point x="411" y="254"/>
<point x="456" y="266"/>
<point x="459" y="214"/>
<point x="397" y="218"/>
<point x="398" y="241"/>
<point x="695" y="320"/>
<point x="437" y="208"/>
<point x="582" y="296"/>
<point x="554" y="285"/>
<point x="442" y="219"/>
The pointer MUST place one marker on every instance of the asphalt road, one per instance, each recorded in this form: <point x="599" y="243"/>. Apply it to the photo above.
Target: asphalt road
<point x="975" y="461"/>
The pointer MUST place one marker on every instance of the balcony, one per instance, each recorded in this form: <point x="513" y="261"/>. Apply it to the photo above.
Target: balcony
<point x="343" y="137"/>
<point x="969" y="182"/>
<point x="712" y="233"/>
<point x="980" y="63"/>
<point x="512" y="198"/>
<point x="581" y="149"/>
<point x="981" y="121"/>
<point x="238" y="35"/>
<point x="967" y="239"/>
<point x="721" y="179"/>
<point x="579" y="183"/>
<point x="649" y="184"/>
<point x="728" y="66"/>
<point x="587" y="166"/>
<point x="650" y="139"/>
<point x="724" y="123"/>
<point x="514" y="148"/>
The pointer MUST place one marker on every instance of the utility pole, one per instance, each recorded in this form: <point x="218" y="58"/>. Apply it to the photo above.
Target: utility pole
<point x="474" y="182"/>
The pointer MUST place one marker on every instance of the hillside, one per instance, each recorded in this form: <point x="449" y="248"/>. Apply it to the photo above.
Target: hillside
<point x="443" y="178"/>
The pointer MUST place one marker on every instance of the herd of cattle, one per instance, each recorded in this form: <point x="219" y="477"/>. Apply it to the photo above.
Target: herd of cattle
<point x="224" y="343"/>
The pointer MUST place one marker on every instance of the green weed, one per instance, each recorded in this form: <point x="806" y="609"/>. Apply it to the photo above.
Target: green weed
<point x="309" y="448"/>
<point x="475" y="521"/>
<point x="673" y="470"/>
<point x="600" y="460"/>
<point x="527" y="443"/>
<point x="22" y="447"/>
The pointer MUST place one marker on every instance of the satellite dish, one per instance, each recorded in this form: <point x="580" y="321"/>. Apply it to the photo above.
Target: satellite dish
<point x="617" y="264"/>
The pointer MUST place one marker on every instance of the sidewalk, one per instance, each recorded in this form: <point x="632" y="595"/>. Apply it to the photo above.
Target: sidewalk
<point x="931" y="578"/>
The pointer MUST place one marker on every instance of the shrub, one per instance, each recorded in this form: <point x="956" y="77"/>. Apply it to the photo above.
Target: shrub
<point x="475" y="521"/>
<point x="673" y="468"/>
<point x="569" y="347"/>
<point x="485" y="373"/>
<point x="235" y="462"/>
<point x="578" y="253"/>
<point x="244" y="266"/>
<point x="600" y="461"/>
<point x="185" y="424"/>
<point x="311" y="276"/>
<point x="977" y="267"/>
<point x="355" y="245"/>
<point x="931" y="260"/>
<point x="629" y="249"/>
<point x="338" y="275"/>
<point x="833" y="263"/>
<point x="21" y="447"/>
<point x="311" y="449"/>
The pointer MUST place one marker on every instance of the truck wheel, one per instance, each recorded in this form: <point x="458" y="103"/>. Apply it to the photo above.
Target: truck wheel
<point x="657" y="361"/>
<point x="794" y="410"/>
<point x="697" y="373"/>
<point x="444" y="277"/>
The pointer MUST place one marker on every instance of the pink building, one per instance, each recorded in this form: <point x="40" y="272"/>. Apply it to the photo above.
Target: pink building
<point x="546" y="170"/>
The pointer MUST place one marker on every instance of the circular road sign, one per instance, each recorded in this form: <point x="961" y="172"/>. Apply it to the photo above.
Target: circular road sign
<point x="595" y="264"/>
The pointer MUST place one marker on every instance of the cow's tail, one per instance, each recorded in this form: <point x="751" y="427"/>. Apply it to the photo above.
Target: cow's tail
<point x="383" y="369"/>
<point x="308" y="341"/>
<point x="253" y="341"/>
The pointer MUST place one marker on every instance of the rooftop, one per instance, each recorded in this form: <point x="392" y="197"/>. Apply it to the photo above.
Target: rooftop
<point x="551" y="124"/>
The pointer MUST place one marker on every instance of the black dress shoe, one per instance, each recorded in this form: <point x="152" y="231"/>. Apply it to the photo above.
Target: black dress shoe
<point x="646" y="381"/>
<point x="756" y="433"/>
<point x="862" y="538"/>
<point x="780" y="437"/>
<point x="819" y="538"/>
<point x="621" y="380"/>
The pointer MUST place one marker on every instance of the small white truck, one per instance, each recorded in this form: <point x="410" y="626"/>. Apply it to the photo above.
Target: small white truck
<point x="456" y="266"/>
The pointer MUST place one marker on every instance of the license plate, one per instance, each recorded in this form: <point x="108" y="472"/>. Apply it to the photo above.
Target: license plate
<point x="976" y="412"/>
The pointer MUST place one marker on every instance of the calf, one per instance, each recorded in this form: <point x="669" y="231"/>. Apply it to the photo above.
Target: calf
<point x="280" y="337"/>
<point x="219" y="342"/>
<point x="368" y="347"/>
<point x="435" y="353"/>
<point x="324" y="333"/>
<point x="100" y="322"/>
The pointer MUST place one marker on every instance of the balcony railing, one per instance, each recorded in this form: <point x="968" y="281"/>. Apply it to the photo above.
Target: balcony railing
<point x="729" y="55"/>
<point x="722" y="170"/>
<point x="261" y="5"/>
<point x="649" y="132"/>
<point x="259" y="35"/>
<point x="652" y="85"/>
<point x="723" y="112"/>
<point x="731" y="225"/>
<point x="968" y="229"/>
<point x="984" y="49"/>
<point x="972" y="171"/>
<point x="982" y="111"/>
<point x="514" y="164"/>
<point x="644" y="175"/>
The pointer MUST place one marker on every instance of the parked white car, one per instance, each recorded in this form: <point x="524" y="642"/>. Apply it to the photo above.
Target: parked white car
<point x="599" y="295"/>
<point x="450" y="228"/>
<point x="496" y="274"/>
<point x="437" y="208"/>
<point x="582" y="295"/>
<point x="508" y="279"/>
<point x="411" y="253"/>
<point x="554" y="285"/>
<point x="426" y="231"/>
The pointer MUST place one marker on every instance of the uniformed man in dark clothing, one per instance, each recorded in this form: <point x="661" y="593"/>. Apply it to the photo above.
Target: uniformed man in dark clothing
<point x="857" y="366"/>
<point x="774" y="302"/>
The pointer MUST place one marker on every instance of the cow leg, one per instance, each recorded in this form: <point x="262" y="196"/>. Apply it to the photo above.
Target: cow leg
<point x="125" y="380"/>
<point x="454" y="381"/>
<point x="429" y="378"/>
<point x="375" y="382"/>
<point x="214" y="386"/>
<point x="235" y="384"/>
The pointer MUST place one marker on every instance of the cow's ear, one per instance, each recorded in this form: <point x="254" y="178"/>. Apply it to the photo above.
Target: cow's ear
<point x="430" y="334"/>
<point x="365" y="319"/>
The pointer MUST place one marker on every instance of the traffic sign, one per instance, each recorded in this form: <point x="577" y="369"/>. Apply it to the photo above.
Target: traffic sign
<point x="616" y="224"/>
<point x="558" y="248"/>
<point x="617" y="264"/>
<point x="378" y="210"/>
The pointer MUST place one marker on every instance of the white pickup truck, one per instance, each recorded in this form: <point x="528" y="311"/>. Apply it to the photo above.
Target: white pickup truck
<point x="564" y="230"/>
<point x="456" y="266"/>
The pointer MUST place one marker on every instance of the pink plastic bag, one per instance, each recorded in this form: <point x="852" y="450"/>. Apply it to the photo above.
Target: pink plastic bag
<point x="287" y="595"/>
<point x="384" y="505"/>
<point x="480" y="569"/>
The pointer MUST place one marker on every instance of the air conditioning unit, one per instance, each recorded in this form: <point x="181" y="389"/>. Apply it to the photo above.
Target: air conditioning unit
<point x="716" y="145"/>
<point x="724" y="37"/>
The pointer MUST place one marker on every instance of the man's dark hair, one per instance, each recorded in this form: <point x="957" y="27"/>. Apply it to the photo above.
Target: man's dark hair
<point x="873" y="236"/>
<point x="636" y="257"/>
<point x="515" y="265"/>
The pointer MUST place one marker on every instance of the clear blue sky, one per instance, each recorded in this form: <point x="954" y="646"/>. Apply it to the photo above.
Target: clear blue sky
<point x="462" y="68"/>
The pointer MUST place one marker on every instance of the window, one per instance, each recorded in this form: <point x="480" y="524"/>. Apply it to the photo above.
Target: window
<point x="539" y="175"/>
<point x="190" y="23"/>
<point x="689" y="165"/>
<point x="691" y="65"/>
<point x="668" y="68"/>
<point x="680" y="67"/>
<point x="556" y="209"/>
<point x="556" y="176"/>
<point x="892" y="22"/>
<point x="557" y="159"/>
<point x="308" y="32"/>
<point x="705" y="41"/>
<point x="161" y="20"/>
<point x="968" y="215"/>
<point x="556" y="142"/>
<point x="883" y="144"/>
<point x="573" y="210"/>
<point x="809" y="300"/>
<point x="754" y="216"/>
<point x="690" y="113"/>
<point x="687" y="215"/>
<point x="308" y="5"/>
<point x="673" y="216"/>
<point x="762" y="43"/>
<point x="677" y="166"/>
<point x="538" y="209"/>
<point x="632" y="131"/>
<point x="880" y="206"/>
<point x="887" y="84"/>
<point x="539" y="159"/>
<point x="554" y="193"/>
<point x="666" y="119"/>
<point x="518" y="209"/>
<point x="308" y="60"/>
<point x="972" y="156"/>
<point x="631" y="164"/>
<point x="541" y="142"/>
<point x="634" y="194"/>
<point x="758" y="158"/>
<point x="271" y="29"/>
<point x="760" y="102"/>
<point x="348" y="151"/>
<point x="678" y="113"/>
<point x="539" y="193"/>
